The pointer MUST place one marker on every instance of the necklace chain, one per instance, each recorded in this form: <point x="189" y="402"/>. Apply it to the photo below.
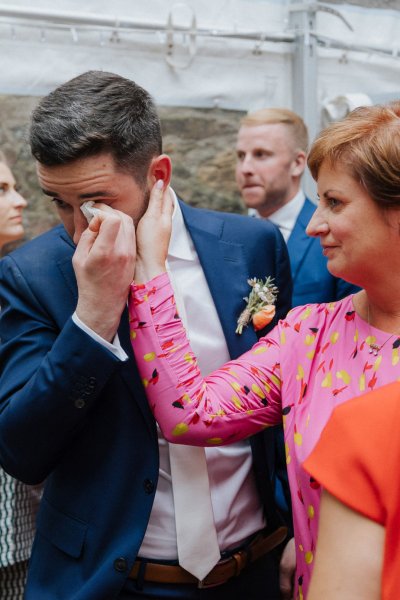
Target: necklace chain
<point x="375" y="348"/>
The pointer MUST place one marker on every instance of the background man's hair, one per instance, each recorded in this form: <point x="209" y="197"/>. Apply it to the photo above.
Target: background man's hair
<point x="282" y="116"/>
<point x="93" y="113"/>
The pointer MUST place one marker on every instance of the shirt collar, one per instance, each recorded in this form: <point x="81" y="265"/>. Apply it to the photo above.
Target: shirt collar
<point x="180" y="245"/>
<point x="285" y="217"/>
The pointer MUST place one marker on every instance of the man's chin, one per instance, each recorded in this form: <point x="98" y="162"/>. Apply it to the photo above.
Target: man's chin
<point x="252" y="199"/>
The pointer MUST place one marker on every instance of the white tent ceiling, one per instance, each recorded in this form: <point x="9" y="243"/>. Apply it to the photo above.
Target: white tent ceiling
<point x="240" y="54"/>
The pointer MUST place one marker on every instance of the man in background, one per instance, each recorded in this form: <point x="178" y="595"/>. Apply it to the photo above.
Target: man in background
<point x="271" y="152"/>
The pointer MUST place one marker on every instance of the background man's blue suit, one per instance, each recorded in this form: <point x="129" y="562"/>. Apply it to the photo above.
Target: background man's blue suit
<point x="312" y="282"/>
<point x="73" y="414"/>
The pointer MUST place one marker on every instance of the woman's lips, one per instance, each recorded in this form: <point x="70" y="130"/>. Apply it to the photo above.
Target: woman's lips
<point x="327" y="249"/>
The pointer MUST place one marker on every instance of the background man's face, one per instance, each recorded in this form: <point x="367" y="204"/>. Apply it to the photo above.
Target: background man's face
<point x="266" y="159"/>
<point x="92" y="178"/>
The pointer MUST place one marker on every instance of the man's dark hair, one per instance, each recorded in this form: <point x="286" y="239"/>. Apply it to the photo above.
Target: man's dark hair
<point x="93" y="113"/>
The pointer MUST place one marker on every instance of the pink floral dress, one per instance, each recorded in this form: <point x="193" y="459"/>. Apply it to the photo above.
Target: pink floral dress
<point x="315" y="359"/>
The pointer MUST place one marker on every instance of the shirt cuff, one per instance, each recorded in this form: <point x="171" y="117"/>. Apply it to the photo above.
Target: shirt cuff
<point x="115" y="347"/>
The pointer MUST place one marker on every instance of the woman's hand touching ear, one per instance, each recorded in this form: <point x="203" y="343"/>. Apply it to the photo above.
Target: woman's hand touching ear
<point x="153" y="234"/>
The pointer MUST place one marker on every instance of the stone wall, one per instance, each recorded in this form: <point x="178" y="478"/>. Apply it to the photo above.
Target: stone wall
<point x="200" y="142"/>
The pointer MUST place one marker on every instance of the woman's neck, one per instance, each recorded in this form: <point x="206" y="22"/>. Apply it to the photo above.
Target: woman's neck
<point x="380" y="310"/>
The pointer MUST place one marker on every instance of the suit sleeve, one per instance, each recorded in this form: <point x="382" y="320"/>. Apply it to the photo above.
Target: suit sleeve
<point x="50" y="380"/>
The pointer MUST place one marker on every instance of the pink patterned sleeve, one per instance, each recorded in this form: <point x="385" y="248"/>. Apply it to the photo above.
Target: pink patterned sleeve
<point x="236" y="401"/>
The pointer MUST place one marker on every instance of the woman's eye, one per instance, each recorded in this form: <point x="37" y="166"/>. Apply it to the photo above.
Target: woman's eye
<point x="333" y="202"/>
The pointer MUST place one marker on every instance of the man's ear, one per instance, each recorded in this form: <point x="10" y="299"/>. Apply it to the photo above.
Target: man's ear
<point x="160" y="168"/>
<point x="299" y="164"/>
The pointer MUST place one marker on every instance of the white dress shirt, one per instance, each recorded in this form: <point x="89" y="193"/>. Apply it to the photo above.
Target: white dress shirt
<point x="237" y="508"/>
<point x="286" y="216"/>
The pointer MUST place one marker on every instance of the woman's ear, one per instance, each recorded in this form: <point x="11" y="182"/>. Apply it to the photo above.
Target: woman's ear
<point x="160" y="168"/>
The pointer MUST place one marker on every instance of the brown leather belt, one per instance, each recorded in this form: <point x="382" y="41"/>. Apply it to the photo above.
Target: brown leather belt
<point x="224" y="570"/>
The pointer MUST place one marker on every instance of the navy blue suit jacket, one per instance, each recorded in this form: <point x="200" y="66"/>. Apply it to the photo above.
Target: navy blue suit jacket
<point x="312" y="282"/>
<point x="73" y="414"/>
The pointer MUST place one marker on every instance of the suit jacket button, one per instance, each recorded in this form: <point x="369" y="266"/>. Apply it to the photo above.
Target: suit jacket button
<point x="79" y="403"/>
<point x="90" y="386"/>
<point x="120" y="565"/>
<point x="148" y="486"/>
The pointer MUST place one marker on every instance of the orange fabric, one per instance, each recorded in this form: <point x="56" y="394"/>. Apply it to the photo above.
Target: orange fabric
<point x="357" y="459"/>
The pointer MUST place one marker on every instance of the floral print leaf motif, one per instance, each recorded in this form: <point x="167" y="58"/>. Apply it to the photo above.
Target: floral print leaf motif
<point x="350" y="316"/>
<point x="178" y="404"/>
<point x="260" y="304"/>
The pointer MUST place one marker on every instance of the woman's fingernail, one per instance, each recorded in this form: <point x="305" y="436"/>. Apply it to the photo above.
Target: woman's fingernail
<point x="159" y="184"/>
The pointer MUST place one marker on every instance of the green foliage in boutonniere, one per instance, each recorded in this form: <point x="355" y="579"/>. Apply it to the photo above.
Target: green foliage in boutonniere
<point x="260" y="304"/>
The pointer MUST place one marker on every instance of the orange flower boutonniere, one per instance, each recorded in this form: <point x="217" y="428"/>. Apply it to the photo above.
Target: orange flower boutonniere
<point x="260" y="304"/>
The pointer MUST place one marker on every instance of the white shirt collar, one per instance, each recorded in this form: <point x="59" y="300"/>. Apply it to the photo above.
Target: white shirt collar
<point x="180" y="245"/>
<point x="286" y="216"/>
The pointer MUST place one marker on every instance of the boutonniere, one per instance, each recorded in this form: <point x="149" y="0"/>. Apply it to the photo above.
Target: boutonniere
<point x="260" y="304"/>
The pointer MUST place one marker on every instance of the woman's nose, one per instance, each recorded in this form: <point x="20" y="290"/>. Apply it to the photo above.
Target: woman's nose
<point x="19" y="200"/>
<point x="318" y="224"/>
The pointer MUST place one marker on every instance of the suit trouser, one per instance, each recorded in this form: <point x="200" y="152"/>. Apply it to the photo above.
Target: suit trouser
<point x="258" y="581"/>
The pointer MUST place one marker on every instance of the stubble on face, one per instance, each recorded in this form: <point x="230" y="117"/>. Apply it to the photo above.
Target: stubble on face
<point x="265" y="158"/>
<point x="144" y="203"/>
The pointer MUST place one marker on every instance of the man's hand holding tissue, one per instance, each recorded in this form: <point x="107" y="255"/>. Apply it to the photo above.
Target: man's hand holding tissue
<point x="104" y="264"/>
<point x="105" y="258"/>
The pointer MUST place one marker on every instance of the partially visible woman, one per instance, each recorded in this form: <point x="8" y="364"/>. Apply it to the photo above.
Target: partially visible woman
<point x="360" y="508"/>
<point x="18" y="502"/>
<point x="11" y="206"/>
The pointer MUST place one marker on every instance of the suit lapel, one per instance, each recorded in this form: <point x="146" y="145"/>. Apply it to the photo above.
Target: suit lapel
<point x="225" y="269"/>
<point x="299" y="242"/>
<point x="130" y="374"/>
<point x="66" y="268"/>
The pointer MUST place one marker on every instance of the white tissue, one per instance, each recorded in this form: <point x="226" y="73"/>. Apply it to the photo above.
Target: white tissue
<point x="88" y="210"/>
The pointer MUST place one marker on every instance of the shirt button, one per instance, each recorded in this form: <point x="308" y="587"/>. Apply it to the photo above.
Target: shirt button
<point x="120" y="565"/>
<point x="79" y="403"/>
<point x="148" y="486"/>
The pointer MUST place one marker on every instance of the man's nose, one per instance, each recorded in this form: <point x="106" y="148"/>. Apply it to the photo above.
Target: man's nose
<point x="318" y="224"/>
<point x="246" y="164"/>
<point x="80" y="224"/>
